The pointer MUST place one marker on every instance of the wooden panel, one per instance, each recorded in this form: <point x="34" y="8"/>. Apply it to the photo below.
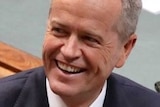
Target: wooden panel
<point x="5" y="72"/>
<point x="14" y="60"/>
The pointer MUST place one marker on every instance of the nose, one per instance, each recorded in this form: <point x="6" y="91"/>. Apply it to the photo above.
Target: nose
<point x="71" y="49"/>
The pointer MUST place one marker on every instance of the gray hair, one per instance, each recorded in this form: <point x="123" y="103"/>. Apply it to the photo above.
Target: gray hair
<point x="127" y="22"/>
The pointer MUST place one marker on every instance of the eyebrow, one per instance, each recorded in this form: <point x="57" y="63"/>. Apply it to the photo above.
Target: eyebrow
<point x="55" y="22"/>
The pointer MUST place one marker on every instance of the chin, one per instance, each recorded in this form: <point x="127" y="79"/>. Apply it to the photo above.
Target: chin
<point x="62" y="89"/>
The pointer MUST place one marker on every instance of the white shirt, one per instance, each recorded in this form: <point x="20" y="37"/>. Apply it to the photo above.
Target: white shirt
<point x="55" y="101"/>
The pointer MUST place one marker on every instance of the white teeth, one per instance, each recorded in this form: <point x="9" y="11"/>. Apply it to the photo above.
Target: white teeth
<point x="68" y="68"/>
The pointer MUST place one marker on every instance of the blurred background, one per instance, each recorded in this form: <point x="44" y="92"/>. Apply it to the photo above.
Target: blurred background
<point x="23" y="24"/>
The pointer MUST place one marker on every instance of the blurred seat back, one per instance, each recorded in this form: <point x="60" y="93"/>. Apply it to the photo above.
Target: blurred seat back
<point x="13" y="60"/>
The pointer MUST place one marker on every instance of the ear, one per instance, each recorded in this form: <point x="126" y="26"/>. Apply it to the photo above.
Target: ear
<point x="126" y="49"/>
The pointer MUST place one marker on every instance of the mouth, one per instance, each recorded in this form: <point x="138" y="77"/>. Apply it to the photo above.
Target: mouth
<point x="68" y="68"/>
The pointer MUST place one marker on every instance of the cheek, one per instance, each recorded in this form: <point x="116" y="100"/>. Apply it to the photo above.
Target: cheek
<point x="105" y="65"/>
<point x="46" y="52"/>
<point x="46" y="47"/>
<point x="103" y="62"/>
<point x="51" y="45"/>
<point x="98" y="61"/>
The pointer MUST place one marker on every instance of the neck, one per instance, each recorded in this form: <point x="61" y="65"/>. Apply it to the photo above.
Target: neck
<point x="94" y="97"/>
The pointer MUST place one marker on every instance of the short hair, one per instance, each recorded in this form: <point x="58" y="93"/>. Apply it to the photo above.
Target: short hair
<point x="128" y="19"/>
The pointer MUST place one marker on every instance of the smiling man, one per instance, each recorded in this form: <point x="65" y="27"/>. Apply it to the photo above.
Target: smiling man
<point x="85" y="40"/>
<point x="81" y="48"/>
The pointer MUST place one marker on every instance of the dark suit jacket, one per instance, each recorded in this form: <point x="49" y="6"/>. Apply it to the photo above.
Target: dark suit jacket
<point x="28" y="89"/>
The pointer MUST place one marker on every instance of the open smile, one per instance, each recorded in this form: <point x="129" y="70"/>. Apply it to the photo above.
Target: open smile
<point x="68" y="68"/>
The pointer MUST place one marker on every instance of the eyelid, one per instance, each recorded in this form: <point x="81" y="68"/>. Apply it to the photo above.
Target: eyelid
<point x="95" y="37"/>
<point x="59" y="32"/>
<point x="58" y="29"/>
<point x="90" y="39"/>
<point x="55" y="24"/>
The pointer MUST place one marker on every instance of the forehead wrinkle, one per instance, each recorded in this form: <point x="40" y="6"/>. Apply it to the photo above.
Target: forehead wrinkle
<point x="92" y="7"/>
<point x="106" y="11"/>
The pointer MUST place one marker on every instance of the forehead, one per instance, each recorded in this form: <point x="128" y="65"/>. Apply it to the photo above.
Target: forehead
<point x="103" y="9"/>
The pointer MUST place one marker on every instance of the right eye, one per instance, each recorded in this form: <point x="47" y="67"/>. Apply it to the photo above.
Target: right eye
<point x="58" y="31"/>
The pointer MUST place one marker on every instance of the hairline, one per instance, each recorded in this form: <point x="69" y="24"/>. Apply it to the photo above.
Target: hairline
<point x="126" y="24"/>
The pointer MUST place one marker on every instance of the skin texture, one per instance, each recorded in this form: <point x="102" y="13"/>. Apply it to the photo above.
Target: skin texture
<point x="80" y="35"/>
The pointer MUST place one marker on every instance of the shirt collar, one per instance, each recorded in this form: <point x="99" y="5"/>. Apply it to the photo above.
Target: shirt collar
<point x="55" y="101"/>
<point x="100" y="99"/>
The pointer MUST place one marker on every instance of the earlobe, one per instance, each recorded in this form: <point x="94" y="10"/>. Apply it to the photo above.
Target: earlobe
<point x="127" y="48"/>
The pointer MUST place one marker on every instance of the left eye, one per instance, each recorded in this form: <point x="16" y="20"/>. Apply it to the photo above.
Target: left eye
<point x="90" y="39"/>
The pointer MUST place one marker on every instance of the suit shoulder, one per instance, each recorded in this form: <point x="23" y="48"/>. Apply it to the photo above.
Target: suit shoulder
<point x="19" y="77"/>
<point x="135" y="93"/>
<point x="125" y="82"/>
<point x="16" y="79"/>
<point x="11" y="86"/>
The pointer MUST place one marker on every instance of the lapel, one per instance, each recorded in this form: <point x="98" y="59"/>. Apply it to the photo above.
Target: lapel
<point x="115" y="96"/>
<point x="34" y="92"/>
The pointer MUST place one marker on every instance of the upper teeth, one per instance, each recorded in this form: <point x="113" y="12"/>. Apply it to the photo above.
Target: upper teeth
<point x="68" y="68"/>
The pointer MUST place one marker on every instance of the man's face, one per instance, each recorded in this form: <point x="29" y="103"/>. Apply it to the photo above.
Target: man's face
<point x="80" y="48"/>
